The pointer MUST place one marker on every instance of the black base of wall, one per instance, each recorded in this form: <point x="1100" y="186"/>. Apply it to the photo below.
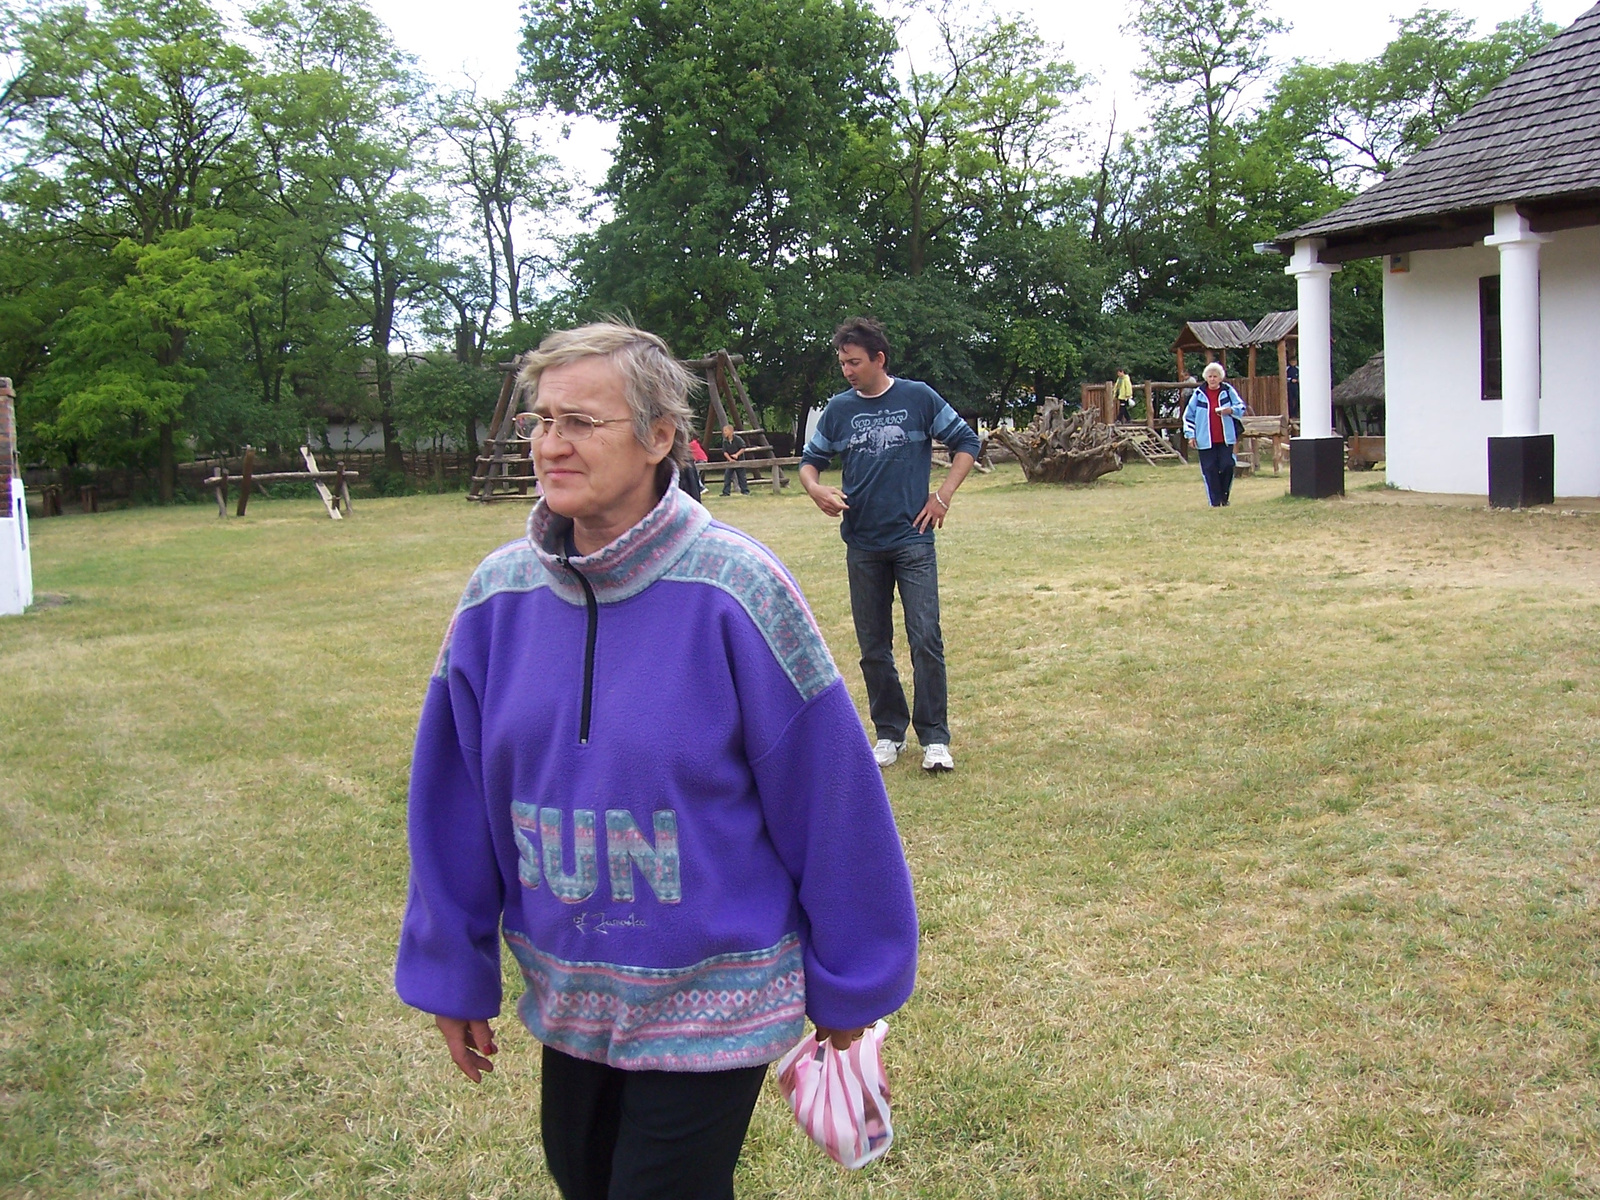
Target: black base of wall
<point x="1522" y="471"/>
<point x="1316" y="467"/>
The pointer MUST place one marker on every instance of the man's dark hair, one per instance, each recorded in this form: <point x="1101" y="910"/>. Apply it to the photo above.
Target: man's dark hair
<point x="866" y="332"/>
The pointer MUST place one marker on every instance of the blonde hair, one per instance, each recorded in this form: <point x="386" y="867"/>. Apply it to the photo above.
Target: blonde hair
<point x="656" y="385"/>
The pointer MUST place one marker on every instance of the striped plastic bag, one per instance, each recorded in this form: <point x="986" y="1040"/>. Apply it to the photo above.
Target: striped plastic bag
<point x="840" y="1098"/>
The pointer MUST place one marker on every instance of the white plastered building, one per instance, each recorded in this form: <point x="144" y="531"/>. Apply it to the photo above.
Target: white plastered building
<point x="1490" y="238"/>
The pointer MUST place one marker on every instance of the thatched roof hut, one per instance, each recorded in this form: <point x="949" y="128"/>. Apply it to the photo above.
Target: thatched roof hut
<point x="1364" y="385"/>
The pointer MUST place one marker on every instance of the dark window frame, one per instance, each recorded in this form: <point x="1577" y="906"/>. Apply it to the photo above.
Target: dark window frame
<point x="1490" y="364"/>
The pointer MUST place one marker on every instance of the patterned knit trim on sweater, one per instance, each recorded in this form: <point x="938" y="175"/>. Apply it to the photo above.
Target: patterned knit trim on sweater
<point x="732" y="1010"/>
<point x="628" y="565"/>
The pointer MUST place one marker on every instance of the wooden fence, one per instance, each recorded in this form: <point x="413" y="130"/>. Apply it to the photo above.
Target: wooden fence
<point x="421" y="468"/>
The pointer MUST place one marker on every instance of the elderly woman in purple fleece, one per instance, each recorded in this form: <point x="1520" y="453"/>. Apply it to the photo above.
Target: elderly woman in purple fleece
<point x="638" y="764"/>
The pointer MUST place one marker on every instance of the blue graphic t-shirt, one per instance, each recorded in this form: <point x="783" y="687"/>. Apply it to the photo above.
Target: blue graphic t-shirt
<point x="887" y="444"/>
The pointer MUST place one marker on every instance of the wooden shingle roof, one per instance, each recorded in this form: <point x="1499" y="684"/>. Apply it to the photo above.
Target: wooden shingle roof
<point x="1273" y="327"/>
<point x="1535" y="137"/>
<point x="1213" y="335"/>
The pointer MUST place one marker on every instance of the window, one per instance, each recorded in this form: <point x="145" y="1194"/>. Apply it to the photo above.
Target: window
<point x="1489" y="336"/>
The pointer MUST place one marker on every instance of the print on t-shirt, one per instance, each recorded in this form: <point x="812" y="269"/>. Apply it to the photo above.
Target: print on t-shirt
<point x="878" y="433"/>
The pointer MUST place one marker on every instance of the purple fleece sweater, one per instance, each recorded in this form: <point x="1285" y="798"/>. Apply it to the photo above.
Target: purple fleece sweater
<point x="642" y="767"/>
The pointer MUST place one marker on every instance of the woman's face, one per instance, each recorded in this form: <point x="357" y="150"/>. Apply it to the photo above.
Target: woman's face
<point x="606" y="482"/>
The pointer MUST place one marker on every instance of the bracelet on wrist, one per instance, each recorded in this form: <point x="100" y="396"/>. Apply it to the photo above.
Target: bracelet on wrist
<point x="943" y="503"/>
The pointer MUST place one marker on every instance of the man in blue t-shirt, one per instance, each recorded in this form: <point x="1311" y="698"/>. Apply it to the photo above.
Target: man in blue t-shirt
<point x="884" y="428"/>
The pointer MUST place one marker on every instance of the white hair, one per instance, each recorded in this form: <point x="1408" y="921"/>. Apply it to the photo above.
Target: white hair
<point x="1214" y="366"/>
<point x="655" y="383"/>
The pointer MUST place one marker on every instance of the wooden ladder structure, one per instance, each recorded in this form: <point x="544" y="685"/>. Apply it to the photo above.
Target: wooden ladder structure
<point x="729" y="400"/>
<point x="1149" y="445"/>
<point x="504" y="470"/>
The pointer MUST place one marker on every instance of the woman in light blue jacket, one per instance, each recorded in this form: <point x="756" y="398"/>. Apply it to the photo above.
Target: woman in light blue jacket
<point x="1211" y="423"/>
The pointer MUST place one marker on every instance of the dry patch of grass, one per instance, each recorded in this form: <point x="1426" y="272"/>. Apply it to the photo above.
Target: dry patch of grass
<point x="1269" y="868"/>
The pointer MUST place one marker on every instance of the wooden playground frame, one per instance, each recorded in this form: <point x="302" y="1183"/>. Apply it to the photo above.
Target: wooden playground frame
<point x="332" y="500"/>
<point x="507" y="474"/>
<point x="1265" y="396"/>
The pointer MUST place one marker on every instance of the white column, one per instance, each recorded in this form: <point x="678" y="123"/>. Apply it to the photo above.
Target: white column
<point x="16" y="561"/>
<point x="1519" y="320"/>
<point x="16" y="564"/>
<point x="1316" y="337"/>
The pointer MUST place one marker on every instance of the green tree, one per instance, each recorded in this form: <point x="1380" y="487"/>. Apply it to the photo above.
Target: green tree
<point x="1201" y="58"/>
<point x="438" y="397"/>
<point x="977" y="237"/>
<point x="346" y="131"/>
<point x="734" y="192"/>
<point x="510" y="188"/>
<point x="135" y="136"/>
<point x="1355" y="121"/>
<point x="1175" y="214"/>
<point x="120" y="377"/>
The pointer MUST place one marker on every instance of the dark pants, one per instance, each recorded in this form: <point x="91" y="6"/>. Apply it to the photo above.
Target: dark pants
<point x="731" y="475"/>
<point x="873" y="577"/>
<point x="643" y="1135"/>
<point x="1216" y="464"/>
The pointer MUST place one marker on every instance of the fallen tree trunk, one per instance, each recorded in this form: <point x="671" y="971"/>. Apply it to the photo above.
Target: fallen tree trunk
<point x="1057" y="448"/>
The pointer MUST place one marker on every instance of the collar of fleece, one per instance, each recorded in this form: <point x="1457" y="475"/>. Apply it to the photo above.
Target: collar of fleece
<point x="626" y="566"/>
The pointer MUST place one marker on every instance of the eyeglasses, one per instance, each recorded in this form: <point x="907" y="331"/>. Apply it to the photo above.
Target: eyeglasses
<point x="572" y="427"/>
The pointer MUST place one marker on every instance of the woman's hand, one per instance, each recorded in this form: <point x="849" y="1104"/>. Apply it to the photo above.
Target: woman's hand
<point x="471" y="1043"/>
<point x="842" y="1039"/>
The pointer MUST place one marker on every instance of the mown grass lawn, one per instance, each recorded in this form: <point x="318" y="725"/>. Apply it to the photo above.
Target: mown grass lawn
<point x="1270" y="866"/>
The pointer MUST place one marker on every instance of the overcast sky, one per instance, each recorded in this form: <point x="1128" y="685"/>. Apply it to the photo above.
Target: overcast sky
<point x="479" y="38"/>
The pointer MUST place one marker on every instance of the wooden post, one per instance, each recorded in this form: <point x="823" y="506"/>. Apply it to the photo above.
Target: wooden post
<point x="507" y="386"/>
<point x="316" y="478"/>
<point x="344" y="488"/>
<point x="221" y="489"/>
<point x="1149" y="406"/>
<point x="727" y="365"/>
<point x="1283" y="380"/>
<point x="1252" y="370"/>
<point x="1182" y="375"/>
<point x="715" y="394"/>
<point x="244" y="484"/>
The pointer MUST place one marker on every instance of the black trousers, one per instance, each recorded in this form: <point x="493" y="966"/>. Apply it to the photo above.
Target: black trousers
<point x="1216" y="464"/>
<point x="643" y="1135"/>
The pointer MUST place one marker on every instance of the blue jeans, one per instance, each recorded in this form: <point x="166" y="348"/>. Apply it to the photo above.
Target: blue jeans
<point x="874" y="574"/>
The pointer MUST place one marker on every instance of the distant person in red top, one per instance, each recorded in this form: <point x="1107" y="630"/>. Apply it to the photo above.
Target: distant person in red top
<point x="1211" y="423"/>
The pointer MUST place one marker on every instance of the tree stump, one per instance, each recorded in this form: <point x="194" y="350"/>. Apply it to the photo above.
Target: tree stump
<point x="1057" y="448"/>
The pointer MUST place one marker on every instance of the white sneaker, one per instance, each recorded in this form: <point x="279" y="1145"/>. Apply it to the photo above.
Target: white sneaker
<point x="936" y="757"/>
<point x="885" y="752"/>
